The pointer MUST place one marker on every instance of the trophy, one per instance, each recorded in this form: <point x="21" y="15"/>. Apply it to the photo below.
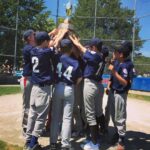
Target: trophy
<point x="67" y="24"/>
<point x="59" y="33"/>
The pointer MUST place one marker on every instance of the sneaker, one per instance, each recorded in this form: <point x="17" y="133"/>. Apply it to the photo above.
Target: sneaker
<point x="90" y="146"/>
<point x="84" y="142"/>
<point x="35" y="147"/>
<point x="53" y="146"/>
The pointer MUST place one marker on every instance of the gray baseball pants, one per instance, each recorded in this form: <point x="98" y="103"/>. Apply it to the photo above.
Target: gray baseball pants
<point x="39" y="108"/>
<point x="26" y="87"/>
<point x="92" y="101"/>
<point x="116" y="108"/>
<point x="62" y="109"/>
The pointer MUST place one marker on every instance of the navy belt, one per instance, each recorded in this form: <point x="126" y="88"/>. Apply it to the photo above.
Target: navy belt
<point x="118" y="92"/>
<point x="69" y="84"/>
<point x="43" y="84"/>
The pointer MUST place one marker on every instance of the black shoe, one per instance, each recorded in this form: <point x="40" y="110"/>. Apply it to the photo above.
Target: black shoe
<point x="115" y="139"/>
<point x="53" y="146"/>
<point x="35" y="147"/>
<point x="65" y="148"/>
<point x="101" y="122"/>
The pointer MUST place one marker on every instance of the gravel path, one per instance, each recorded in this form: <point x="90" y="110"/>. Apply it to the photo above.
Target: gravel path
<point x="138" y="124"/>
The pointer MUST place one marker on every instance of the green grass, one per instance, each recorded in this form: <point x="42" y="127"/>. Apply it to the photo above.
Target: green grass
<point x="140" y="97"/>
<point x="6" y="146"/>
<point x="5" y="90"/>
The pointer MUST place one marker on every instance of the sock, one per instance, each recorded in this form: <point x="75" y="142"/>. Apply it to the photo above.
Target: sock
<point x="101" y="121"/>
<point x="34" y="140"/>
<point x="94" y="133"/>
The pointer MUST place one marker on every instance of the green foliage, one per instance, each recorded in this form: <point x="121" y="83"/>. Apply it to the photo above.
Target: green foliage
<point x="5" y="90"/>
<point x="5" y="146"/>
<point x="120" y="28"/>
<point x="31" y="15"/>
<point x="142" y="64"/>
<point x="140" y="97"/>
<point x="60" y="20"/>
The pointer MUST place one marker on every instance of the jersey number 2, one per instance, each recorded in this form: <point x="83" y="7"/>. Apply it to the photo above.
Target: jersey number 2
<point x="35" y="62"/>
<point x="67" y="72"/>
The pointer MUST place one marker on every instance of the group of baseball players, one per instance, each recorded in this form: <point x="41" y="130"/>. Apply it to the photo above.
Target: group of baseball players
<point x="74" y="104"/>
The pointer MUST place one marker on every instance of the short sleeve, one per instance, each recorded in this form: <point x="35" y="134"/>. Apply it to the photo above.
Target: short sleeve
<point x="91" y="56"/>
<point x="124" y="72"/>
<point x="132" y="72"/>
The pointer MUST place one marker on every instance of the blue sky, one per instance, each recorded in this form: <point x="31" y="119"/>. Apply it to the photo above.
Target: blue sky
<point x="142" y="8"/>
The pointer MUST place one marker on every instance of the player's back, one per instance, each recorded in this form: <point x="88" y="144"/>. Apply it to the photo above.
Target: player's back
<point x="41" y="64"/>
<point x="68" y="69"/>
<point x="92" y="60"/>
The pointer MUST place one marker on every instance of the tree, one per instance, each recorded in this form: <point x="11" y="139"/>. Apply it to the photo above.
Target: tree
<point x="116" y="22"/>
<point x="142" y="65"/>
<point x="31" y="15"/>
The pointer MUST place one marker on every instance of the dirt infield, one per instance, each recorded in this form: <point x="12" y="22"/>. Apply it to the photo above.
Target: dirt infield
<point x="138" y="124"/>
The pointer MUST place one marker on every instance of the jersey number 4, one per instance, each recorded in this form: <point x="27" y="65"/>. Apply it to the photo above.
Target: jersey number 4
<point x="67" y="72"/>
<point x="35" y="62"/>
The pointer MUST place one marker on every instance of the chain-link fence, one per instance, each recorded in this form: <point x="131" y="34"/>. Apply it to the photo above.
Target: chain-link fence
<point x="142" y="14"/>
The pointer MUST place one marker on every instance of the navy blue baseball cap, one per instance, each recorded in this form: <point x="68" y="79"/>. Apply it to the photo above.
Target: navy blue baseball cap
<point x="119" y="48"/>
<point x="27" y="33"/>
<point x="66" y="43"/>
<point x="42" y="36"/>
<point x="127" y="45"/>
<point x="96" y="42"/>
<point x="122" y="49"/>
<point x="105" y="51"/>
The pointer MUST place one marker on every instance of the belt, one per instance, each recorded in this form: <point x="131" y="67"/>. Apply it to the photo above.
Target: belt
<point x="69" y="84"/>
<point x="118" y="92"/>
<point x="42" y="84"/>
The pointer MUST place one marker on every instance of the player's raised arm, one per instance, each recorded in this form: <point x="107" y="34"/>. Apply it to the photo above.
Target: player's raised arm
<point x="59" y="36"/>
<point x="76" y="42"/>
<point x="53" y="33"/>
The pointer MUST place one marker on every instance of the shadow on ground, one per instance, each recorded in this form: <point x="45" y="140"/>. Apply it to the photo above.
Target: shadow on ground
<point x="134" y="141"/>
<point x="137" y="141"/>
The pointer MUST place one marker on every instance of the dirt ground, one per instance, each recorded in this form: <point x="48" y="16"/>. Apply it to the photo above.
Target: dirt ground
<point x="138" y="124"/>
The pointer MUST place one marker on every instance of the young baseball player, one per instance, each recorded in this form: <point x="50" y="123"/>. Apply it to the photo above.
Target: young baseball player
<point x="68" y="74"/>
<point x="91" y="89"/>
<point x="122" y="73"/>
<point x="40" y="95"/>
<point x="25" y="82"/>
